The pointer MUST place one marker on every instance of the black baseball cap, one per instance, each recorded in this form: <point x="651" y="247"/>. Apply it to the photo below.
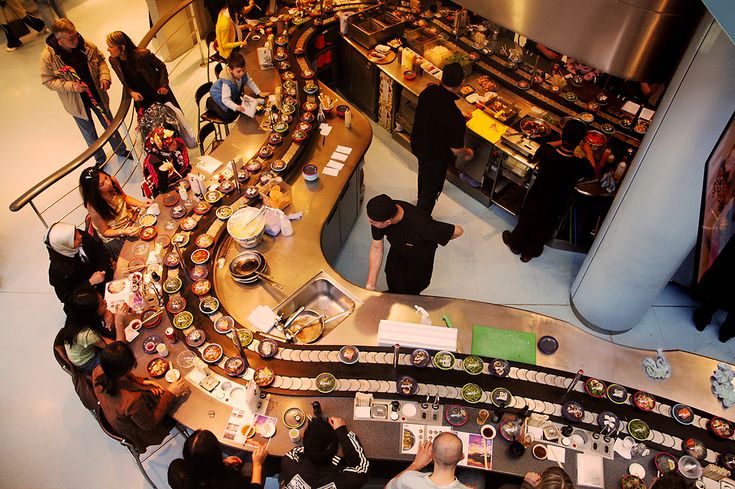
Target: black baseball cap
<point x="381" y="208"/>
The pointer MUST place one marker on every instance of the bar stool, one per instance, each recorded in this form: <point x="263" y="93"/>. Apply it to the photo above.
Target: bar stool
<point x="202" y="93"/>
<point x="207" y="130"/>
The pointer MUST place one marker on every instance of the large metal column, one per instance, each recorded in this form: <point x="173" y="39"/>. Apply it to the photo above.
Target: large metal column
<point x="652" y="225"/>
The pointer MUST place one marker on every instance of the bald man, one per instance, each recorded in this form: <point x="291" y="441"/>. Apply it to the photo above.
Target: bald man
<point x="446" y="451"/>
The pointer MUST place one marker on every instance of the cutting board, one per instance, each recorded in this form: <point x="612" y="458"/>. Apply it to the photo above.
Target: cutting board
<point x="485" y="126"/>
<point x="510" y="345"/>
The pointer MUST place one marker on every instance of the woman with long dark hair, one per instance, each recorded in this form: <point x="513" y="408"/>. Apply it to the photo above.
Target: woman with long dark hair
<point x="112" y="211"/>
<point x="203" y="467"/>
<point x="88" y="326"/>
<point x="134" y="406"/>
<point x="140" y="71"/>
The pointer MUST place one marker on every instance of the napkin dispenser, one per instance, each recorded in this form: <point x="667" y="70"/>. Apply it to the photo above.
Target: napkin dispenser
<point x="417" y="335"/>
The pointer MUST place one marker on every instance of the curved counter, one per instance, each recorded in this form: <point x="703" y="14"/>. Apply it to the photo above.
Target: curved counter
<point x="328" y="206"/>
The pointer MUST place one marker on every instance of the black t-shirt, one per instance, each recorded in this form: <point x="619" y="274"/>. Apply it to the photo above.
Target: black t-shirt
<point x="439" y="124"/>
<point x="416" y="234"/>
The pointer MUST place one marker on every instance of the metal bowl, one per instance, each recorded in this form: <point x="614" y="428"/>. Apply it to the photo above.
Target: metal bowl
<point x="595" y="139"/>
<point x="246" y="265"/>
<point x="535" y="128"/>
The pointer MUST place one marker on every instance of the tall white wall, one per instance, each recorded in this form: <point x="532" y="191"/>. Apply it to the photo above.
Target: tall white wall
<point x="653" y="222"/>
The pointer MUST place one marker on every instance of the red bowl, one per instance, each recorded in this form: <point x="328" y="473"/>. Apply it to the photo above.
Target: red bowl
<point x="409" y="75"/>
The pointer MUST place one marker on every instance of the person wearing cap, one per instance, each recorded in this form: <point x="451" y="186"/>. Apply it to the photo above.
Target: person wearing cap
<point x="413" y="236"/>
<point x="316" y="463"/>
<point x="437" y="138"/>
<point x="559" y="169"/>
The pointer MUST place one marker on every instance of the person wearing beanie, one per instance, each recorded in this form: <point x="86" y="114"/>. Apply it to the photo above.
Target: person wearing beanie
<point x="316" y="464"/>
<point x="437" y="138"/>
<point x="413" y="236"/>
<point x="559" y="169"/>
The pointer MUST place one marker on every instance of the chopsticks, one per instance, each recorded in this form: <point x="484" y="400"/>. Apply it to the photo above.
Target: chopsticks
<point x="152" y="316"/>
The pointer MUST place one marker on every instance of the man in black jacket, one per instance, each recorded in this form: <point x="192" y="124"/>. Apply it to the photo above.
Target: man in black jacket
<point x="437" y="138"/>
<point x="316" y="464"/>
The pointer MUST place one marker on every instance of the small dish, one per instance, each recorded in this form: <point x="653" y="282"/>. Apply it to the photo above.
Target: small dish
<point x="178" y="211"/>
<point x="682" y="414"/>
<point x="307" y="117"/>
<point x="349" y="354"/>
<point x="278" y="165"/>
<point x="665" y="462"/>
<point x="456" y="415"/>
<point x="310" y="106"/>
<point x="148" y="233"/>
<point x="267" y="348"/>
<point x="212" y="196"/>
<point x="224" y="212"/>
<point x="473" y="393"/>
<point x="632" y="482"/>
<point x="500" y="367"/>
<point x="409" y="74"/>
<point x="200" y="256"/>
<point x="224" y="324"/>
<point x="212" y="353"/>
<point x="157" y="368"/>
<point x="209" y="305"/>
<point x="721" y="427"/>
<point x="501" y="396"/>
<point x="608" y="421"/>
<point x="617" y="393"/>
<point x="310" y="88"/>
<point x="202" y="208"/>
<point x="689" y="467"/>
<point x="234" y="366"/>
<point x="639" y="429"/>
<point x="176" y="304"/>
<point x="573" y="411"/>
<point x="147" y="220"/>
<point x="149" y="344"/>
<point x="310" y="172"/>
<point x="201" y="287"/>
<point x="170" y="200"/>
<point x="173" y="375"/>
<point x="325" y="382"/>
<point x="188" y="223"/>
<point x="266" y="152"/>
<point x="406" y="385"/>
<point x="172" y="284"/>
<point x="548" y="345"/>
<point x="183" y="320"/>
<point x="595" y="387"/>
<point x="275" y="139"/>
<point x="307" y="73"/>
<point x="473" y="365"/>
<point x="644" y="401"/>
<point x="199" y="272"/>
<point x="444" y="360"/>
<point x="244" y="335"/>
<point x="294" y="417"/>
<point x="148" y="313"/>
<point x="420" y="358"/>
<point x="586" y="117"/>
<point x="694" y="448"/>
<point x="263" y="377"/>
<point x="204" y="241"/>
<point x="196" y="338"/>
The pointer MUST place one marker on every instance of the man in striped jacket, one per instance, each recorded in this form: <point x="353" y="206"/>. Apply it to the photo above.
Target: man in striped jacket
<point x="316" y="464"/>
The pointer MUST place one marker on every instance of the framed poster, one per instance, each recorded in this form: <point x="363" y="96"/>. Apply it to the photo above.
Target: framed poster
<point x="717" y="222"/>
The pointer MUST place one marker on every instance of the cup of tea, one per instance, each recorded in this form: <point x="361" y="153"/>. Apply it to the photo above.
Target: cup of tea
<point x="294" y="435"/>
<point x="516" y="449"/>
<point x="488" y="431"/>
<point x="162" y="350"/>
<point x="539" y="451"/>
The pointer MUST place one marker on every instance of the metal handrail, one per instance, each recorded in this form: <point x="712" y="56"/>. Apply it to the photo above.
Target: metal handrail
<point x="30" y="194"/>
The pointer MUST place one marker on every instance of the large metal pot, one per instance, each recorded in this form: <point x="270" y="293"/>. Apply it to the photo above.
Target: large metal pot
<point x="595" y="139"/>
<point x="246" y="226"/>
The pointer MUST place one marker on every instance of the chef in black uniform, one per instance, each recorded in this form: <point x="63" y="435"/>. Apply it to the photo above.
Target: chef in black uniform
<point x="413" y="236"/>
<point x="437" y="138"/>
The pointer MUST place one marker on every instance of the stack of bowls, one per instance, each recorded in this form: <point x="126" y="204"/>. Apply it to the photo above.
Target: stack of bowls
<point x="244" y="267"/>
<point x="246" y="226"/>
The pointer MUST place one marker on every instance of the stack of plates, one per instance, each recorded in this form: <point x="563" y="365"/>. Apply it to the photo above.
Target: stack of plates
<point x="244" y="266"/>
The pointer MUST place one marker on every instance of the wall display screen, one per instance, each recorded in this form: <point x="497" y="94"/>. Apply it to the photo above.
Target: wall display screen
<point x="717" y="223"/>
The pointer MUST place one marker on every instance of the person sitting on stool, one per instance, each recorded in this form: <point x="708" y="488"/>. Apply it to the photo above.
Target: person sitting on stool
<point x="446" y="452"/>
<point x="225" y="96"/>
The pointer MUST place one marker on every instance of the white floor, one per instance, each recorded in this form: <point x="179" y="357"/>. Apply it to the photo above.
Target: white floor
<point x="49" y="441"/>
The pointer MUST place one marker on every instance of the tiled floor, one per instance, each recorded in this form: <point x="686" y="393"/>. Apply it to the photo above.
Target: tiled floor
<point x="49" y="440"/>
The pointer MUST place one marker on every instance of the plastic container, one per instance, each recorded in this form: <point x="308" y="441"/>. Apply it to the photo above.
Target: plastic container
<point x="276" y="194"/>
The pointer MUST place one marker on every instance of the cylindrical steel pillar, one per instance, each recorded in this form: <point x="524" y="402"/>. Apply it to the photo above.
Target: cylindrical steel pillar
<point x="652" y="224"/>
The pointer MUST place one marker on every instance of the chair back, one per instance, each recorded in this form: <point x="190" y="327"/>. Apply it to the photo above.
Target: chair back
<point x="207" y="130"/>
<point x="60" y="354"/>
<point x="202" y="91"/>
<point x="107" y="427"/>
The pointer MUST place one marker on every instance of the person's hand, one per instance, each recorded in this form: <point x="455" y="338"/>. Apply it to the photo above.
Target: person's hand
<point x="79" y="87"/>
<point x="178" y="388"/>
<point x="97" y="277"/>
<point x="532" y="478"/>
<point x="336" y="422"/>
<point x="105" y="85"/>
<point x="468" y="154"/>
<point x="119" y="311"/>
<point x="129" y="231"/>
<point x="263" y="94"/>
<point x="148" y="203"/>
<point x="233" y="461"/>
<point x="260" y="454"/>
<point x="424" y="456"/>
<point x="155" y="388"/>
<point x="162" y="91"/>
<point x="241" y="108"/>
<point x="370" y="286"/>
<point x="136" y="96"/>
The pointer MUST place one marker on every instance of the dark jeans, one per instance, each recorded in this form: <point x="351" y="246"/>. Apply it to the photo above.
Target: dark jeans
<point x="33" y="22"/>
<point x="432" y="173"/>
<point x="90" y="134"/>
<point x="225" y="114"/>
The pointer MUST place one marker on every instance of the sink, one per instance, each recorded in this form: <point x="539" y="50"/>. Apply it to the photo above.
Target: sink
<point x="373" y="30"/>
<point x="323" y="295"/>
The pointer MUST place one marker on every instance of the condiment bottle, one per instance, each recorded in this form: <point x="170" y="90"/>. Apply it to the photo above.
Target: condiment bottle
<point x="348" y="118"/>
<point x="182" y="192"/>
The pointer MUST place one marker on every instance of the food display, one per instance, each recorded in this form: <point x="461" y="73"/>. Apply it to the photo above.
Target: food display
<point x="196" y="338"/>
<point x="349" y="354"/>
<point x="486" y="83"/>
<point x="157" y="368"/>
<point x="420" y="358"/>
<point x="183" y="320"/>
<point x="500" y="367"/>
<point x="472" y="393"/>
<point x="188" y="223"/>
<point x="639" y="429"/>
<point x="644" y="401"/>
<point x="224" y="212"/>
<point x="325" y="382"/>
<point x="204" y="241"/>
<point x="406" y="385"/>
<point x="263" y="376"/>
<point x="200" y="256"/>
<point x="595" y="388"/>
<point x="444" y="360"/>
<point x="201" y="287"/>
<point x="212" y="353"/>
<point x="573" y="411"/>
<point x="473" y="365"/>
<point x="148" y="233"/>
<point x="234" y="366"/>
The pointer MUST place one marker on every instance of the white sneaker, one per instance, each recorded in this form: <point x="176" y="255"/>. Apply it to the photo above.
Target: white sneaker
<point x="9" y="49"/>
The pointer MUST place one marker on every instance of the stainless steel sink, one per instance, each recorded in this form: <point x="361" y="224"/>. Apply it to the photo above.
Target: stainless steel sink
<point x="322" y="295"/>
<point x="369" y="31"/>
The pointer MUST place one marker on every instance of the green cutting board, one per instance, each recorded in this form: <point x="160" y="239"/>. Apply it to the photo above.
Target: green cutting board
<point x="511" y="345"/>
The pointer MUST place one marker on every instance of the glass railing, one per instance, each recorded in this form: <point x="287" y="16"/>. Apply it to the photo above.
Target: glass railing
<point x="58" y="196"/>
